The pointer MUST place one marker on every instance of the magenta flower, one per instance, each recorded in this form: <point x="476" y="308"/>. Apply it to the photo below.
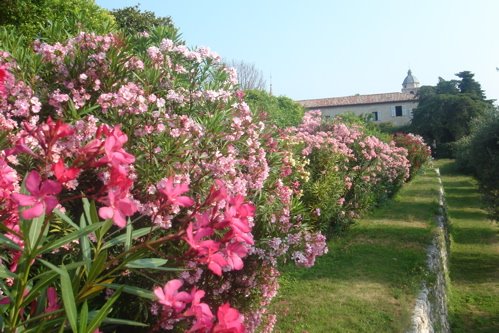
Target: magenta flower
<point x="202" y="312"/>
<point x="42" y="198"/>
<point x="235" y="252"/>
<point x="169" y="295"/>
<point x="173" y="193"/>
<point x="3" y="77"/>
<point x="52" y="300"/>
<point x="229" y="320"/>
<point x="119" y="206"/>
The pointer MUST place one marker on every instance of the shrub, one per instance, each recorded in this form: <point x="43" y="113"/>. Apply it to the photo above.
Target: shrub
<point x="479" y="153"/>
<point x="418" y="152"/>
<point x="179" y="195"/>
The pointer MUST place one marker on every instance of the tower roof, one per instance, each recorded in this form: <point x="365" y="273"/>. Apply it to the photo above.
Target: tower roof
<point x="410" y="80"/>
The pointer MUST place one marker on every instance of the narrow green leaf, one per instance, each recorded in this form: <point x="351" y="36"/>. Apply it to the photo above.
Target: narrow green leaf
<point x="41" y="284"/>
<point x="68" y="300"/>
<point x="97" y="266"/>
<point x="35" y="229"/>
<point x="5" y="273"/>
<point x="9" y="243"/>
<point x="85" y="244"/>
<point x="86" y="209"/>
<point x="103" y="312"/>
<point x="143" y="293"/>
<point x="129" y="230"/>
<point x="70" y="237"/>
<point x="147" y="263"/>
<point x="83" y="318"/>
<point x="65" y="218"/>
<point x="117" y="321"/>
<point x="51" y="266"/>
<point x="122" y="238"/>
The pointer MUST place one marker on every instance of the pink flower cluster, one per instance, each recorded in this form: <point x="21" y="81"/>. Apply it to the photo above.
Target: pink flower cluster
<point x="173" y="303"/>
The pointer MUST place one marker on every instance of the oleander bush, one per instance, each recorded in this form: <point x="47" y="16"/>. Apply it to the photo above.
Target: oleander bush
<point x="138" y="189"/>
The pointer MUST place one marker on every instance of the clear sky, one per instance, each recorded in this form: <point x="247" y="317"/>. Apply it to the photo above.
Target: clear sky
<point x="329" y="48"/>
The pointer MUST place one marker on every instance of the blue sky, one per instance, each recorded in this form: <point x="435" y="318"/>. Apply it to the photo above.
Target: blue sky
<point x="328" y="48"/>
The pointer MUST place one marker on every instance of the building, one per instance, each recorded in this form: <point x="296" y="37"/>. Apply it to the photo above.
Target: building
<point x="395" y="107"/>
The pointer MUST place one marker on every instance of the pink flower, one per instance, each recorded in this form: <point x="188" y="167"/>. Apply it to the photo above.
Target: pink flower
<point x="208" y="250"/>
<point x="52" y="301"/>
<point x="202" y="312"/>
<point x="236" y="251"/>
<point x="236" y="217"/>
<point x="229" y="320"/>
<point x="119" y="206"/>
<point x="169" y="295"/>
<point x="64" y="174"/>
<point x="42" y="199"/>
<point x="3" y="77"/>
<point x="173" y="193"/>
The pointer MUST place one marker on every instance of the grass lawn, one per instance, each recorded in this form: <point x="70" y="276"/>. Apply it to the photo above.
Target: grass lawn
<point x="474" y="256"/>
<point x="369" y="280"/>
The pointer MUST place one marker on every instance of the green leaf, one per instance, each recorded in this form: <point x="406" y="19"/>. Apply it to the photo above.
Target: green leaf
<point x="35" y="230"/>
<point x="65" y="218"/>
<point x="128" y="240"/>
<point x="97" y="266"/>
<point x="43" y="280"/>
<point x="103" y="312"/>
<point x="70" y="237"/>
<point x="5" y="273"/>
<point x="140" y="292"/>
<point x="152" y="263"/>
<point x="117" y="321"/>
<point x="85" y="244"/>
<point x="68" y="300"/>
<point x="83" y="317"/>
<point x="9" y="243"/>
<point x="122" y="238"/>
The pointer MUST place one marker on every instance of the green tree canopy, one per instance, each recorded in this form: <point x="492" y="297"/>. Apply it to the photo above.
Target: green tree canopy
<point x="133" y="20"/>
<point x="445" y="112"/>
<point x="29" y="17"/>
<point x="281" y="111"/>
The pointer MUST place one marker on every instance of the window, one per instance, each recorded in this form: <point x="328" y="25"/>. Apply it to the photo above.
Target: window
<point x="375" y="116"/>
<point x="398" y="111"/>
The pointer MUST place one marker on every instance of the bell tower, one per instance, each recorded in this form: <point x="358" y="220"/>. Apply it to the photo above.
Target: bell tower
<point x="410" y="84"/>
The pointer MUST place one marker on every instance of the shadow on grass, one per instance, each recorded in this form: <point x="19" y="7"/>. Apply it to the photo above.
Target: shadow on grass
<point x="473" y="268"/>
<point x="463" y="235"/>
<point x="386" y="255"/>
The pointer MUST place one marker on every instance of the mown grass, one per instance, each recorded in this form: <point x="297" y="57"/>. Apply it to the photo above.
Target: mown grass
<point x="369" y="280"/>
<point x="474" y="256"/>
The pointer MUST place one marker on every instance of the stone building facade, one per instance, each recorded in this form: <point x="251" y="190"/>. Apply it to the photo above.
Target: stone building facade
<point x="395" y="108"/>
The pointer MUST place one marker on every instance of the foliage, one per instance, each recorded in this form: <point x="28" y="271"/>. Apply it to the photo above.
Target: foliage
<point x="374" y="271"/>
<point x="29" y="17"/>
<point x="133" y="20"/>
<point x="350" y="170"/>
<point x="479" y="154"/>
<point x="445" y="112"/>
<point x="136" y="183"/>
<point x="280" y="111"/>
<point x="418" y="153"/>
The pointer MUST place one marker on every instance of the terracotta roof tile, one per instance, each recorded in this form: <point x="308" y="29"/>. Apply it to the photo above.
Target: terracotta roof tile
<point x="358" y="100"/>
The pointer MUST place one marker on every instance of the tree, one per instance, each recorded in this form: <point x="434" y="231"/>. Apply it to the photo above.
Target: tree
<point x="249" y="76"/>
<point x="280" y="111"/>
<point x="133" y="20"/>
<point x="468" y="85"/>
<point x="445" y="112"/>
<point x="29" y="17"/>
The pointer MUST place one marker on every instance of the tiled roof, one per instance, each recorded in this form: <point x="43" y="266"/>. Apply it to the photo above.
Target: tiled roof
<point x="358" y="100"/>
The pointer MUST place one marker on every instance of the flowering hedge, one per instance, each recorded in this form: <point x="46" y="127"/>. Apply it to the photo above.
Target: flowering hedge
<point x="136" y="183"/>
